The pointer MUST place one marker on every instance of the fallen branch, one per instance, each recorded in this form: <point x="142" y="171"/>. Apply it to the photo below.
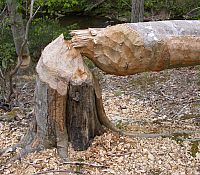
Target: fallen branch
<point x="58" y="171"/>
<point x="84" y="163"/>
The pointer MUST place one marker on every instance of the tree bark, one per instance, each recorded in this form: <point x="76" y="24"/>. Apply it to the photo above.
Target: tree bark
<point x="18" y="32"/>
<point x="132" y="48"/>
<point x="137" y="11"/>
<point x="66" y="102"/>
<point x="82" y="115"/>
<point x="68" y="97"/>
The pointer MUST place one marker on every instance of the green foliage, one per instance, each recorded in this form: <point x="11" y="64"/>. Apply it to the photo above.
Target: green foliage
<point x="43" y="31"/>
<point x="7" y="47"/>
<point x="119" y="8"/>
<point x="177" y="8"/>
<point x="2" y="4"/>
<point x="7" y="55"/>
<point x="56" y="6"/>
<point x="89" y="63"/>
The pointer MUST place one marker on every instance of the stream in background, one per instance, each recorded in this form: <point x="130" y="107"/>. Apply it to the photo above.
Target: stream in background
<point x="84" y="22"/>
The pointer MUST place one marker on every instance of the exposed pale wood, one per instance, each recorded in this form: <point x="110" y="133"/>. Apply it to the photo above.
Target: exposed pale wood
<point x="132" y="48"/>
<point x="61" y="63"/>
<point x="66" y="107"/>
<point x="68" y="98"/>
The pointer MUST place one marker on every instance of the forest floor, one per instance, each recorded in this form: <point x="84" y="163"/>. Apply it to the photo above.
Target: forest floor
<point x="168" y="101"/>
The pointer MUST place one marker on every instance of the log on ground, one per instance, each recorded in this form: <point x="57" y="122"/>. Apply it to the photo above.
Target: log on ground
<point x="132" y="48"/>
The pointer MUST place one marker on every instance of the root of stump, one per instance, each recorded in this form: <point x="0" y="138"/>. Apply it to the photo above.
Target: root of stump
<point x="108" y="124"/>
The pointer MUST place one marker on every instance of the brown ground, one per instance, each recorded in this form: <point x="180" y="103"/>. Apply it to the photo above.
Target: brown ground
<point x="149" y="102"/>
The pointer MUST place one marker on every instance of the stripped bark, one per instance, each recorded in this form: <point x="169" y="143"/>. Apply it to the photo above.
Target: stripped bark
<point x="62" y="68"/>
<point x="132" y="48"/>
<point x="65" y="102"/>
<point x="69" y="105"/>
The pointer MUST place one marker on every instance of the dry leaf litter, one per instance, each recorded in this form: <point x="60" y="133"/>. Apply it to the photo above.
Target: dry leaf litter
<point x="167" y="101"/>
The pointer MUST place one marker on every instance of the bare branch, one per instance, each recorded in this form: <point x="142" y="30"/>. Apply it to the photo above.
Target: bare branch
<point x="3" y="10"/>
<point x="1" y="74"/>
<point x="87" y="164"/>
<point x="36" y="12"/>
<point x="31" y="9"/>
<point x="192" y="11"/>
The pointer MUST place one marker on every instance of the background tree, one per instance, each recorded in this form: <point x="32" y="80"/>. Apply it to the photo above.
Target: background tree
<point x="137" y="11"/>
<point x="18" y="32"/>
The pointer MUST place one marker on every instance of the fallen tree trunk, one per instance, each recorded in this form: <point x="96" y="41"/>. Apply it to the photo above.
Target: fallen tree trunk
<point x="68" y="98"/>
<point x="132" y="48"/>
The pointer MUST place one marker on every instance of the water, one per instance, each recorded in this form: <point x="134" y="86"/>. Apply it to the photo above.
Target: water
<point x="85" y="22"/>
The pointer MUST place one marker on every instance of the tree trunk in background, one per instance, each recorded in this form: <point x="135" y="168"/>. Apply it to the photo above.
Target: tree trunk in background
<point x="132" y="48"/>
<point x="137" y="11"/>
<point x="18" y="32"/>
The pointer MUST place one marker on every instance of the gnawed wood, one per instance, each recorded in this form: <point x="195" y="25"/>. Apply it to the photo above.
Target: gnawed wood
<point x="61" y="63"/>
<point x="68" y="98"/>
<point x="65" y="101"/>
<point x="140" y="47"/>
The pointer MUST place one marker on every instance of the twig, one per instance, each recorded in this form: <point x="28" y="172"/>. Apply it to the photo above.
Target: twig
<point x="126" y="3"/>
<point x="1" y="74"/>
<point x="36" y="12"/>
<point x="87" y="164"/>
<point x="3" y="10"/>
<point x="196" y="139"/>
<point x="193" y="10"/>
<point x="94" y="5"/>
<point x="57" y="171"/>
<point x="121" y="154"/>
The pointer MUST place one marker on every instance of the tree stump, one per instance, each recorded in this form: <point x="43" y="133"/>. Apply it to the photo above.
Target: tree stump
<point x="66" y="102"/>
<point x="71" y="98"/>
<point x="61" y="118"/>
